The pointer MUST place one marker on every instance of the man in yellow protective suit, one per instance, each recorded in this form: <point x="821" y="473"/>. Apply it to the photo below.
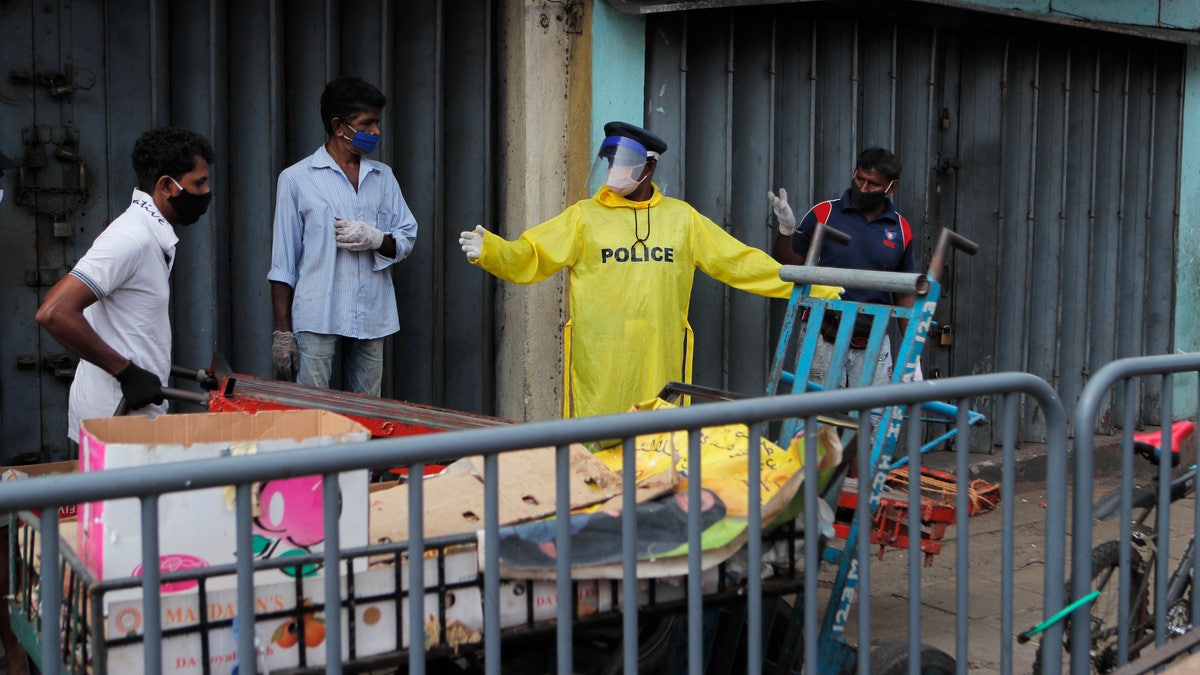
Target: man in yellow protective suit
<point x="631" y="253"/>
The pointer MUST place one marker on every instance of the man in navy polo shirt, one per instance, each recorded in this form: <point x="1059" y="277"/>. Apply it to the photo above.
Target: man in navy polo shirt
<point x="881" y="240"/>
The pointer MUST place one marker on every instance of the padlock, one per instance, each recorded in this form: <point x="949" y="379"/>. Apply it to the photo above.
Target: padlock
<point x="947" y="336"/>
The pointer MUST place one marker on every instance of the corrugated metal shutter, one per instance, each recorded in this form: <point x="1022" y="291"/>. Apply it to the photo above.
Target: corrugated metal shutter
<point x="1057" y="153"/>
<point x="248" y="76"/>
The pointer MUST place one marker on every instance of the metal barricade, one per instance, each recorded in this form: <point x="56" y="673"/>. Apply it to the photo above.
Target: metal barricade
<point x="148" y="483"/>
<point x="1149" y="607"/>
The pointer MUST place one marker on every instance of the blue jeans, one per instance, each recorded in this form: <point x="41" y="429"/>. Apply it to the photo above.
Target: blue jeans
<point x="362" y="362"/>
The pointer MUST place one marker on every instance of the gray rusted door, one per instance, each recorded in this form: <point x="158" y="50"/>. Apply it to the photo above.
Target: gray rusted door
<point x="84" y="79"/>
<point x="1056" y="151"/>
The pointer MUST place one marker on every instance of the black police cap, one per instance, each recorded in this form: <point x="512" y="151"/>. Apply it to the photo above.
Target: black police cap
<point x="648" y="140"/>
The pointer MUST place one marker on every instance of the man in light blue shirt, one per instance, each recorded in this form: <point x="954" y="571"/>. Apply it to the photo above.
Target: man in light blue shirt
<point x="340" y="224"/>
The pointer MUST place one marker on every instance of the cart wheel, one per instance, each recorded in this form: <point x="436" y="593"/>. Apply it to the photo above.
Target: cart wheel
<point x="597" y="651"/>
<point x="892" y="659"/>
<point x="656" y="637"/>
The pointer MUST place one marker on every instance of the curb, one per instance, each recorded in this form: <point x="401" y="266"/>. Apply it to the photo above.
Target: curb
<point x="1031" y="462"/>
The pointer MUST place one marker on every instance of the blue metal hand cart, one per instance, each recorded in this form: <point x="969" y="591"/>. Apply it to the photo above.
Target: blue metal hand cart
<point x="797" y="348"/>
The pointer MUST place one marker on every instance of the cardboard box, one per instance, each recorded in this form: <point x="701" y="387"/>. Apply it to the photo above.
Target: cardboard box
<point x="280" y="637"/>
<point x="373" y="606"/>
<point x="453" y="499"/>
<point x="197" y="528"/>
<point x="66" y="511"/>
<point x="373" y="612"/>
<point x="592" y="597"/>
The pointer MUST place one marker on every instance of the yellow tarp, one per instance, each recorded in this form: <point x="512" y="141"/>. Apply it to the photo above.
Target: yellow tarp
<point x="724" y="466"/>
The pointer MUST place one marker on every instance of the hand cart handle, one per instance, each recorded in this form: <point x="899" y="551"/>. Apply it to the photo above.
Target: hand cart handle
<point x="170" y="393"/>
<point x="673" y="391"/>
<point x="820" y="232"/>
<point x="946" y="239"/>
<point x="809" y="273"/>
<point x="201" y="376"/>
<point x="892" y="282"/>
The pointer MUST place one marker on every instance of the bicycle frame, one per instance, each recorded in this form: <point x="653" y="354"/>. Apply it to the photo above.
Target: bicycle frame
<point x="1144" y="501"/>
<point x="1181" y="577"/>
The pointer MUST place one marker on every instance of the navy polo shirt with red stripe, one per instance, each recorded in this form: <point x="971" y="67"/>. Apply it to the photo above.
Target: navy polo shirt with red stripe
<point x="884" y="244"/>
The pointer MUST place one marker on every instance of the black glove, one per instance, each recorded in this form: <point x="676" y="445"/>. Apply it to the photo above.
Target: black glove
<point x="139" y="386"/>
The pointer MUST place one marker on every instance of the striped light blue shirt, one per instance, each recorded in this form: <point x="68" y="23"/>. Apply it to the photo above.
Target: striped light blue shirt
<point x="338" y="292"/>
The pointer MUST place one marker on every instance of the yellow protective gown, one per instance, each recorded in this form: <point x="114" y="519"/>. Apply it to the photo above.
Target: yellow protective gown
<point x="631" y="267"/>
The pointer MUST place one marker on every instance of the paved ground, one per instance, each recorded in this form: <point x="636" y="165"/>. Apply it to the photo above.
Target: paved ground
<point x="939" y="581"/>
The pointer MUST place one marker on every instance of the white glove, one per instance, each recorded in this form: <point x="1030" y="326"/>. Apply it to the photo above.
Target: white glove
<point x="284" y="355"/>
<point x="472" y="242"/>
<point x="355" y="235"/>
<point x="787" y="219"/>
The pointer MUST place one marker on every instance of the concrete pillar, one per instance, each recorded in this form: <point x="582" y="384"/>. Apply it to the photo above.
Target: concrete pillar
<point x="544" y="136"/>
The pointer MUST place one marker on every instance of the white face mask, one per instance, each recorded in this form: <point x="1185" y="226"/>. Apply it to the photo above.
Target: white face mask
<point x="623" y="179"/>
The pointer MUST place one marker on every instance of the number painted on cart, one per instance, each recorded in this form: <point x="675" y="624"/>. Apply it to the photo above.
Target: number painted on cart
<point x="847" y="599"/>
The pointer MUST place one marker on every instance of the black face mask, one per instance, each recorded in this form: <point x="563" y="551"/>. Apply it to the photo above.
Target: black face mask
<point x="866" y="201"/>
<point x="188" y="206"/>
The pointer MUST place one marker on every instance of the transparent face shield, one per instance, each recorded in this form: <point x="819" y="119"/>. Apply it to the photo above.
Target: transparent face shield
<point x="619" y="165"/>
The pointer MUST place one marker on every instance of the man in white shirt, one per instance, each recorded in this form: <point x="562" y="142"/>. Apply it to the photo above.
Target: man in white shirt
<point x="112" y="309"/>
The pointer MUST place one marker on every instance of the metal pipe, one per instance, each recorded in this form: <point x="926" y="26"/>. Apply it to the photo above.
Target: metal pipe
<point x="893" y="282"/>
<point x="629" y="592"/>
<point x="332" y="548"/>
<point x="152" y="585"/>
<point x="491" y="563"/>
<point x="244" y="507"/>
<point x="695" y="577"/>
<point x="754" y="632"/>
<point x="416" y="568"/>
<point x="962" y="534"/>
<point x="51" y="592"/>
<point x="914" y="543"/>
<point x="1009" y="406"/>
<point x="562" y="556"/>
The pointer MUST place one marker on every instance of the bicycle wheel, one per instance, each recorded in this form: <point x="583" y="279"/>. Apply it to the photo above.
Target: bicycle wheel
<point x="1104" y="629"/>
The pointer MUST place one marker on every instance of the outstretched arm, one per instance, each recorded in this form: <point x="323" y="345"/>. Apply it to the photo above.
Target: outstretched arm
<point x="534" y="256"/>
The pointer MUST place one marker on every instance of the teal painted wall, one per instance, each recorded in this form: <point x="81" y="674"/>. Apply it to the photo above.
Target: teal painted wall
<point x="1187" y="275"/>
<point x="1181" y="14"/>
<point x="618" y="69"/>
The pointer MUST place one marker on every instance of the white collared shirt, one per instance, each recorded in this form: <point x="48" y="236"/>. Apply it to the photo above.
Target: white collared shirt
<point x="128" y="268"/>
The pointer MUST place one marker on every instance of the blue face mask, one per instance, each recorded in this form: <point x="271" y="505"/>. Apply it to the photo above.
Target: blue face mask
<point x="362" y="140"/>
